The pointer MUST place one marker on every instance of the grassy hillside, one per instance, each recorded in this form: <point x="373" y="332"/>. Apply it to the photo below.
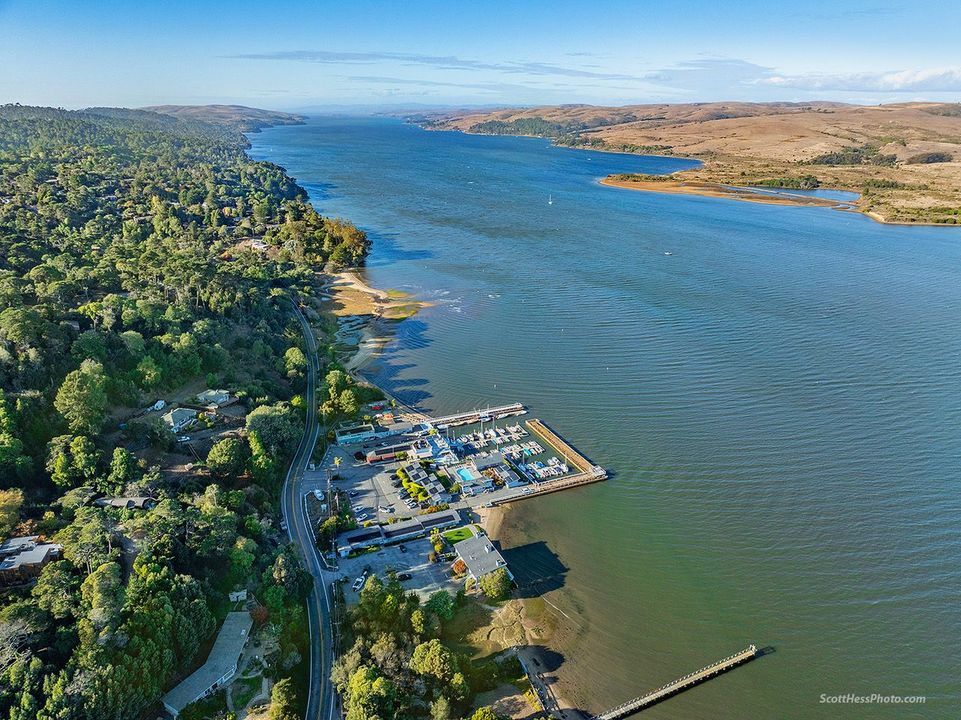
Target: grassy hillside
<point x="905" y="158"/>
<point x="239" y="117"/>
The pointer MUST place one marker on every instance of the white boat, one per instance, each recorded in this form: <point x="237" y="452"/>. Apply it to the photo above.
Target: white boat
<point x="550" y="199"/>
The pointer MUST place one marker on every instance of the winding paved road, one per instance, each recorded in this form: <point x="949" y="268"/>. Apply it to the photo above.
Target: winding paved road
<point x="321" y="700"/>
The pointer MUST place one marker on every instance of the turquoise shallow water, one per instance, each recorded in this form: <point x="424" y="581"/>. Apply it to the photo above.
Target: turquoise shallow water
<point x="778" y="400"/>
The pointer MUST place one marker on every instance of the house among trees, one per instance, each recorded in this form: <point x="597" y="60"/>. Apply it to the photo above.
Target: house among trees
<point x="481" y="557"/>
<point x="213" y="398"/>
<point x="180" y="418"/>
<point x="220" y="667"/>
<point x="127" y="503"/>
<point x="22" y="558"/>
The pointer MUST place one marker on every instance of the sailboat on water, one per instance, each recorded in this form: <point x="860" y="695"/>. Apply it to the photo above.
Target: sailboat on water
<point x="550" y="199"/>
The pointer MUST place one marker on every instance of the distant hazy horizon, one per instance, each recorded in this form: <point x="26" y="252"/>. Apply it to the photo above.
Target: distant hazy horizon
<point x="310" y="56"/>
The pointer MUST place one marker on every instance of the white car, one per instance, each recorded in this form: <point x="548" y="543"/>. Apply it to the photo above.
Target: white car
<point x="358" y="584"/>
<point x="362" y="517"/>
<point x="386" y="509"/>
<point x="183" y="438"/>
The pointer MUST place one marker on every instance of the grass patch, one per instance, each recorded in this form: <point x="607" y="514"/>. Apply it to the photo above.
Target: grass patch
<point x="457" y="534"/>
<point x="206" y="708"/>
<point x="245" y="689"/>
<point x="402" y="312"/>
<point x="469" y="618"/>
<point x="395" y="294"/>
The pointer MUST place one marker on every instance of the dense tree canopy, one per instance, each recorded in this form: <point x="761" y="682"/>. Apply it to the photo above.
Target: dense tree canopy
<point x="140" y="253"/>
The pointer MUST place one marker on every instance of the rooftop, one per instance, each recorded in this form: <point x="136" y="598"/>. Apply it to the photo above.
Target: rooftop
<point x="354" y="429"/>
<point x="129" y="503"/>
<point x="361" y="534"/>
<point x="221" y="661"/>
<point x="179" y="415"/>
<point x="416" y="473"/>
<point x="403" y="527"/>
<point x="482" y="462"/>
<point x="214" y="397"/>
<point x="480" y="556"/>
<point x="439" y="518"/>
<point x="14" y="545"/>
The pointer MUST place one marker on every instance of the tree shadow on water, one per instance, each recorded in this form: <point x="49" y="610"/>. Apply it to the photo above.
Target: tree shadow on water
<point x="389" y="250"/>
<point x="385" y="370"/>
<point x="537" y="569"/>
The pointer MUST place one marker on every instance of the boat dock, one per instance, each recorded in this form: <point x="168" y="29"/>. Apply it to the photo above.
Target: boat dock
<point x="587" y="471"/>
<point x="573" y="458"/>
<point x="476" y="416"/>
<point x="679" y="685"/>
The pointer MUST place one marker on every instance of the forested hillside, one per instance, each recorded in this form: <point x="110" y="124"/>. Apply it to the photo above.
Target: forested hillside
<point x="145" y="257"/>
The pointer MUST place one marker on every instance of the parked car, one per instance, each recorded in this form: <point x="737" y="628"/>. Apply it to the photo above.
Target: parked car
<point x="183" y="438"/>
<point x="362" y="516"/>
<point x="403" y="576"/>
<point x="358" y="584"/>
<point x="386" y="509"/>
<point x="402" y="548"/>
<point x="353" y="493"/>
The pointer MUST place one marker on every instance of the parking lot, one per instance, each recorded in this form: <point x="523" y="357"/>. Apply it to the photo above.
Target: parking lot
<point x="374" y="499"/>
<point x="409" y="557"/>
<point x="369" y="486"/>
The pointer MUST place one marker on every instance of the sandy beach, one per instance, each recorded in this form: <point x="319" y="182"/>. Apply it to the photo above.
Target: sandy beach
<point x="706" y="189"/>
<point x="364" y="315"/>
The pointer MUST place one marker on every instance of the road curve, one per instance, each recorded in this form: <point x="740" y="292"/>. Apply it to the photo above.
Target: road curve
<point x="321" y="702"/>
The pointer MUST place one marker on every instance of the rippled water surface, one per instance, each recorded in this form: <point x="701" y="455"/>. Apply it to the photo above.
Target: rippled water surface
<point x="778" y="400"/>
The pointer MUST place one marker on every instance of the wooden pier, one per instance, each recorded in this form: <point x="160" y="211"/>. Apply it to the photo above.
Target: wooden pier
<point x="679" y="685"/>
<point x="475" y="416"/>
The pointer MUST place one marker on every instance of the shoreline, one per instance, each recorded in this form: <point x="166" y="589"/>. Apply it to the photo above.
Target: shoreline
<point x="711" y="188"/>
<point x="372" y="338"/>
<point x="744" y="193"/>
<point x="730" y="192"/>
<point x="539" y="635"/>
<point x="364" y="316"/>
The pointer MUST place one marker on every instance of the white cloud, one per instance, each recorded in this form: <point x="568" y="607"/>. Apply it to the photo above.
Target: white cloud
<point x="945" y="79"/>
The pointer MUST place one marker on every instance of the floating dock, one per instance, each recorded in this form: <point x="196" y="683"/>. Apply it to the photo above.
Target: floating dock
<point x="679" y="685"/>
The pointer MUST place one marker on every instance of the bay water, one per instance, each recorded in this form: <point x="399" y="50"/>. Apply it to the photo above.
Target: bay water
<point x="775" y="390"/>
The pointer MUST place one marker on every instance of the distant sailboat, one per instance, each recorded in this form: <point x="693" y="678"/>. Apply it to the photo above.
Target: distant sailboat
<point x="550" y="199"/>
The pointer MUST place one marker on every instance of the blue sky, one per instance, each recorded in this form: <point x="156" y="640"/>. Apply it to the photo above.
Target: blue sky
<point x="296" y="55"/>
